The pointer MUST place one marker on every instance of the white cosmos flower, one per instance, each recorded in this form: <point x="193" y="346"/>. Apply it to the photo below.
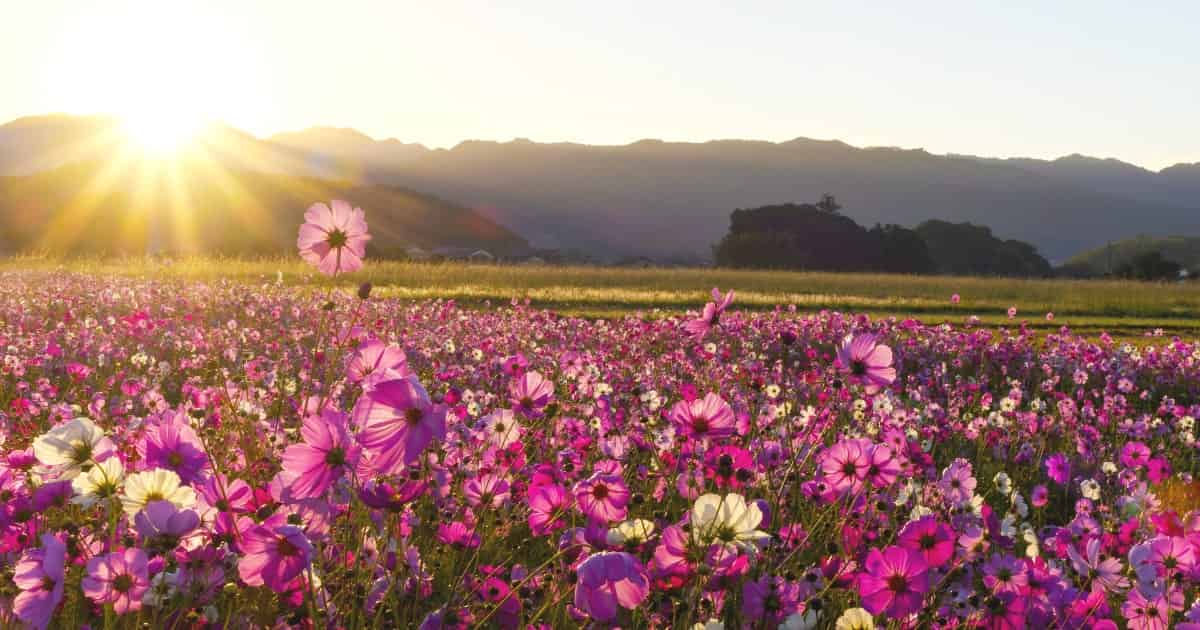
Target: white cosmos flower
<point x="855" y="619"/>
<point x="726" y="519"/>
<point x="72" y="446"/>
<point x="99" y="482"/>
<point x="632" y="532"/>
<point x="1090" y="489"/>
<point x="801" y="621"/>
<point x="159" y="484"/>
<point x="711" y="624"/>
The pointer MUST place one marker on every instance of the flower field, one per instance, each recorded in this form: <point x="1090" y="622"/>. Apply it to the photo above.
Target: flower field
<point x="222" y="453"/>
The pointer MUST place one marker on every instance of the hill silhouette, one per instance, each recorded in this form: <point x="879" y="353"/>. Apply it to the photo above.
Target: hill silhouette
<point x="1110" y="258"/>
<point x="84" y="208"/>
<point x="654" y="198"/>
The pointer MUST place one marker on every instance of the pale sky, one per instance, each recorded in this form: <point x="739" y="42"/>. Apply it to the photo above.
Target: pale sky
<point x="1024" y="78"/>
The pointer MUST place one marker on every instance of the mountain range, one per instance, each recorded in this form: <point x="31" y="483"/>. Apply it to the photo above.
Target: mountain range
<point x="672" y="200"/>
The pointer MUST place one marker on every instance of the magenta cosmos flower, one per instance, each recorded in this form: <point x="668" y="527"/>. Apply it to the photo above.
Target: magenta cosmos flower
<point x="711" y="316"/>
<point x="866" y="362"/>
<point x="530" y="393"/>
<point x="397" y="422"/>
<point x="172" y="444"/>
<point x="608" y="580"/>
<point x="548" y="505"/>
<point x="708" y="417"/>
<point x="39" y="575"/>
<point x="118" y="578"/>
<point x="603" y="497"/>
<point x="327" y="453"/>
<point x="894" y="582"/>
<point x="274" y="556"/>
<point x="334" y="237"/>
<point x="930" y="538"/>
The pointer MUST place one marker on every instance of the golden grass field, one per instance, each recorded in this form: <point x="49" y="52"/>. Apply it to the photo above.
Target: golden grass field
<point x="1123" y="308"/>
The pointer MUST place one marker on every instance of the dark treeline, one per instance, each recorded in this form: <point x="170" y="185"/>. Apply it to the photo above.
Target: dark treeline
<point x="817" y="237"/>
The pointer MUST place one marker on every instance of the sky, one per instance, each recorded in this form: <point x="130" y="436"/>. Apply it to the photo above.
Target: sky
<point x="1039" y="79"/>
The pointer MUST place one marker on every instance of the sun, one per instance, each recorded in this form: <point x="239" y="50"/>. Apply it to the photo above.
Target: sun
<point x="160" y="134"/>
<point x="164" y="70"/>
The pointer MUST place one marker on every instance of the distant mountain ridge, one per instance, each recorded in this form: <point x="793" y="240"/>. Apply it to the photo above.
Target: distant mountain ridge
<point x="238" y="195"/>
<point x="672" y="200"/>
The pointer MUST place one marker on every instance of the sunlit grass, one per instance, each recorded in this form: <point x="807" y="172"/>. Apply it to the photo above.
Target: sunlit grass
<point x="1124" y="308"/>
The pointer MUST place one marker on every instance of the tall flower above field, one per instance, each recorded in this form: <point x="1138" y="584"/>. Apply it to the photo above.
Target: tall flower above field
<point x="866" y="362"/>
<point x="334" y="237"/>
<point x="711" y="316"/>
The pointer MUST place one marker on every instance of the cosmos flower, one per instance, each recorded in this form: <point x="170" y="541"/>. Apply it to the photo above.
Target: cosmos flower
<point x="548" y="505"/>
<point x="708" y="417"/>
<point x="375" y="359"/>
<point x="327" y="453"/>
<point x="72" y="446"/>
<point x="711" y="316"/>
<point x="159" y="484"/>
<point x="39" y="575"/>
<point x="334" y="238"/>
<point x="397" y="423"/>
<point x="866" y="362"/>
<point x="929" y="537"/>
<point x="273" y="556"/>
<point x="855" y="619"/>
<point x="603" y="497"/>
<point x="119" y="578"/>
<point x="608" y="581"/>
<point x="727" y="519"/>
<point x="1103" y="572"/>
<point x="170" y="443"/>
<point x="530" y="392"/>
<point x="894" y="582"/>
<point x="631" y="533"/>
<point x="162" y="525"/>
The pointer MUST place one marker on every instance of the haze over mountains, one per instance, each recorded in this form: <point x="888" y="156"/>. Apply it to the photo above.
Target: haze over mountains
<point x="670" y="200"/>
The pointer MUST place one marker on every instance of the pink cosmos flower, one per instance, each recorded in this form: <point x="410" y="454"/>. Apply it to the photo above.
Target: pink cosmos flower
<point x="530" y="393"/>
<point x="172" y="444"/>
<point x="1004" y="573"/>
<point x="119" y="578"/>
<point x="603" y="497"/>
<point x="608" y="580"/>
<point x="866" y="362"/>
<point x="930" y="538"/>
<point x="39" y="575"/>
<point x="489" y="491"/>
<point x="162" y="525"/>
<point x="547" y="507"/>
<point x="397" y="423"/>
<point x="334" y="238"/>
<point x="955" y="299"/>
<point x="894" y="581"/>
<point x="1104" y="573"/>
<point x="844" y="465"/>
<point x="957" y="483"/>
<point x="1058" y="468"/>
<point x="711" y="316"/>
<point x="1148" y="613"/>
<point x="273" y="556"/>
<point x="708" y="417"/>
<point x="327" y="453"/>
<point x="375" y="359"/>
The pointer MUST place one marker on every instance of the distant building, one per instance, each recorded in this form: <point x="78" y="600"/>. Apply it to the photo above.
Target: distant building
<point x="481" y="256"/>
<point x="416" y="253"/>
